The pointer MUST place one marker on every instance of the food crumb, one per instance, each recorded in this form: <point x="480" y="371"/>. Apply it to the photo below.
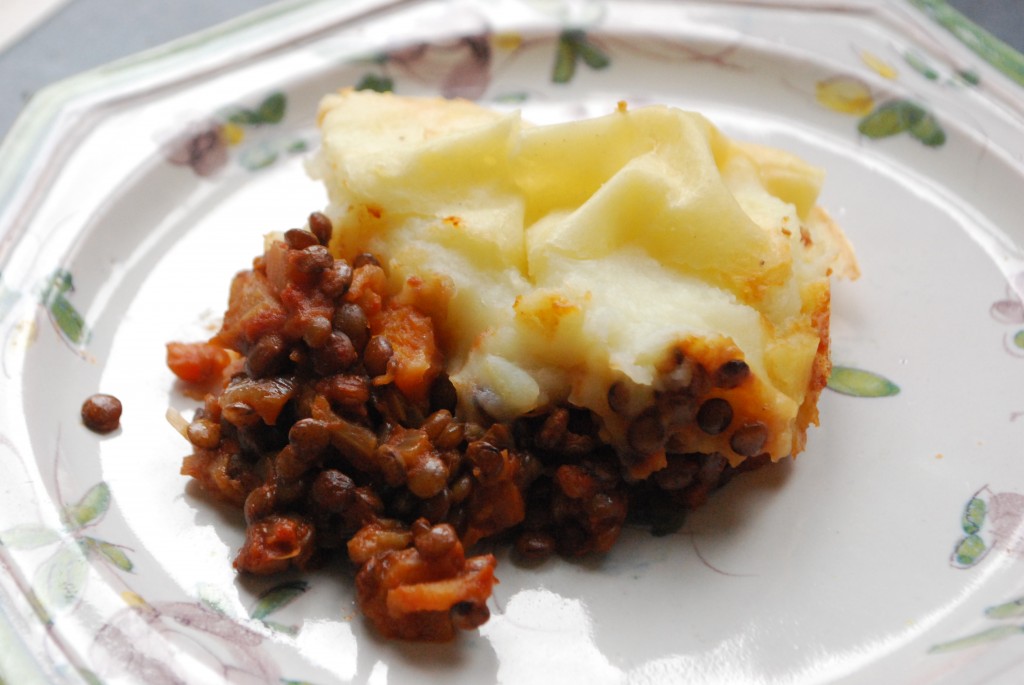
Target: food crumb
<point x="101" y="413"/>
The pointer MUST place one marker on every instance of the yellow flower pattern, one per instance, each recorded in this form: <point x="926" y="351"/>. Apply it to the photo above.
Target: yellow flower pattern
<point x="845" y="94"/>
<point x="879" y="65"/>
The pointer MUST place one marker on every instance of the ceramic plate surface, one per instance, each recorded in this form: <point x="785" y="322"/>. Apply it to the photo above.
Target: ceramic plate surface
<point x="891" y="550"/>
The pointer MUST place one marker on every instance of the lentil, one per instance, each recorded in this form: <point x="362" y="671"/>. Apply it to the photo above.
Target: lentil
<point x="266" y="357"/>
<point x="299" y="239"/>
<point x="618" y="397"/>
<point x="101" y="413"/>
<point x="321" y="227"/>
<point x="313" y="259"/>
<point x="350" y="319"/>
<point x="377" y="355"/>
<point x="535" y="545"/>
<point x="469" y="615"/>
<point x="714" y="416"/>
<point x="433" y="542"/>
<point x="204" y="433"/>
<point x="317" y="332"/>
<point x="647" y="432"/>
<point x="335" y="279"/>
<point x="364" y="259"/>
<point x="336" y="355"/>
<point x="731" y="374"/>
<point x="260" y="503"/>
<point x="749" y="439"/>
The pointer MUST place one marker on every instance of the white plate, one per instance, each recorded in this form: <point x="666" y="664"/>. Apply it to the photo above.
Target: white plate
<point x="858" y="563"/>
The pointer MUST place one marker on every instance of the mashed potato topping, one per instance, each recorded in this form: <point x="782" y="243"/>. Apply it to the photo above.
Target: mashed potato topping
<point x="606" y="264"/>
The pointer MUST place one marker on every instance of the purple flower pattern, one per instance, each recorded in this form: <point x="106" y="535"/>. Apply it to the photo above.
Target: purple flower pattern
<point x="1010" y="311"/>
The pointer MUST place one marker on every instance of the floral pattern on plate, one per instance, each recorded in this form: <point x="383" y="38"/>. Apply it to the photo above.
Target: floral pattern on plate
<point x="205" y="146"/>
<point x="94" y="598"/>
<point x="991" y="522"/>
<point x="1010" y="310"/>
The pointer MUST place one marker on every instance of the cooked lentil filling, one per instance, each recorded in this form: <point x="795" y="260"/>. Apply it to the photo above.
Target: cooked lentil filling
<point x="331" y="427"/>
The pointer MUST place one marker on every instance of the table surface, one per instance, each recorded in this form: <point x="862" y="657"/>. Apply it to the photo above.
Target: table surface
<point x="87" y="33"/>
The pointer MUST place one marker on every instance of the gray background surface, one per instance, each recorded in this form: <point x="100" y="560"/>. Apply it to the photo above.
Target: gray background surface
<point x="87" y="33"/>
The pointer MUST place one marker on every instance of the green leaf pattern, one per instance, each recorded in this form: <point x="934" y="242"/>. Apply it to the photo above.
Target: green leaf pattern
<point x="984" y="507"/>
<point x="1011" y="609"/>
<point x="277" y="597"/>
<point x="270" y="111"/>
<point x="60" y="579"/>
<point x="918" y="64"/>
<point x="860" y="383"/>
<point x="565" y="62"/>
<point x="969" y="76"/>
<point x="90" y="508"/>
<point x="974" y="515"/>
<point x="62" y="312"/>
<point x="379" y="84"/>
<point x="89" y="677"/>
<point x="28" y="536"/>
<point x="970" y="550"/>
<point x="212" y="597"/>
<point x="575" y="46"/>
<point x="975" y="544"/>
<point x="113" y="553"/>
<point x="899" y="116"/>
<point x="274" y="599"/>
<point x="980" y="638"/>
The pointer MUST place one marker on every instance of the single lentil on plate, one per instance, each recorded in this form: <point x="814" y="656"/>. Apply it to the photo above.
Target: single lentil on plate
<point x="101" y="413"/>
